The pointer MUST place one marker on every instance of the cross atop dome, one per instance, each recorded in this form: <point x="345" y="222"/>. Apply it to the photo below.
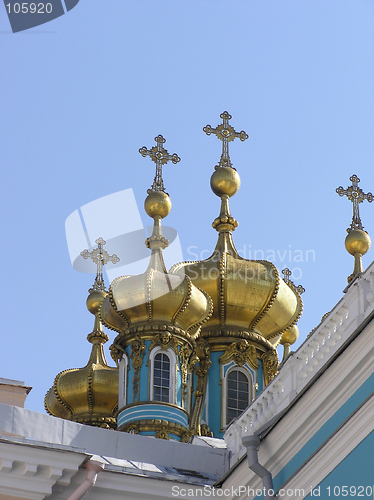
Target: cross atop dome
<point x="356" y="196"/>
<point x="160" y="156"/>
<point x="100" y="258"/>
<point x="226" y="133"/>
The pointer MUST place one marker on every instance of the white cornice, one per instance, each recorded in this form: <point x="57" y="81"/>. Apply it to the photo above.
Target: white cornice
<point x="32" y="471"/>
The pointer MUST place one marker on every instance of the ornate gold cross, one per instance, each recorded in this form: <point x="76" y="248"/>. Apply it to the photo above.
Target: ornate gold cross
<point x="100" y="258"/>
<point x="286" y="275"/>
<point x="160" y="156"/>
<point x="226" y="133"/>
<point x="356" y="196"/>
<point x="286" y="278"/>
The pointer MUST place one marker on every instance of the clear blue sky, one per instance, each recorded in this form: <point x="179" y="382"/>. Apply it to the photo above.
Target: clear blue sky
<point x="81" y="94"/>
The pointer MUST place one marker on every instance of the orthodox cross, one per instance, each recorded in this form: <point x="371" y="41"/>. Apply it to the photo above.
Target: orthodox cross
<point x="100" y="258"/>
<point x="356" y="196"/>
<point x="160" y="156"/>
<point x="226" y="133"/>
<point x="286" y="278"/>
<point x="286" y="275"/>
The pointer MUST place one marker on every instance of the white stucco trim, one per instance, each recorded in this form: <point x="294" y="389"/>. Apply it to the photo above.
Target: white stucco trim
<point x="246" y="370"/>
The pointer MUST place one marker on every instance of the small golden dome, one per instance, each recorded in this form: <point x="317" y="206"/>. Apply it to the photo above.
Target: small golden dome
<point x="87" y="395"/>
<point x="290" y="335"/>
<point x="357" y="241"/>
<point x="225" y="181"/>
<point x="157" y="203"/>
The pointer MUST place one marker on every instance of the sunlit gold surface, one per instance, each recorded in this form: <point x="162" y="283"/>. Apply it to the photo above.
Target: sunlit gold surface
<point x="157" y="203"/>
<point x="90" y="394"/>
<point x="290" y="335"/>
<point x="247" y="295"/>
<point x="154" y="297"/>
<point x="357" y="241"/>
<point x="225" y="180"/>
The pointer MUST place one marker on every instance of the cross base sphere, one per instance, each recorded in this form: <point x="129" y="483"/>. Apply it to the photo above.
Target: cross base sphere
<point x="225" y="180"/>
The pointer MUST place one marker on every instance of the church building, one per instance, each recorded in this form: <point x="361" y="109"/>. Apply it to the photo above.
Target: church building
<point x="197" y="402"/>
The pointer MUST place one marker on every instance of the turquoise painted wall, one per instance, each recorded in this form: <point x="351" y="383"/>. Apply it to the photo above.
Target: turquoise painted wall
<point x="214" y="403"/>
<point x="356" y="472"/>
<point x="325" y="432"/>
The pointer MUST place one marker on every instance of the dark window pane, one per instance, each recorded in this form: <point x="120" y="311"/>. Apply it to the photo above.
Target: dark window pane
<point x="237" y="394"/>
<point x="161" y="377"/>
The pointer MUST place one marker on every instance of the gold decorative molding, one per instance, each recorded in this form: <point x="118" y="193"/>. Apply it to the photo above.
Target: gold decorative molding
<point x="138" y="348"/>
<point x="162" y="429"/>
<point x="270" y="364"/>
<point x="165" y="340"/>
<point x="240" y="352"/>
<point x="203" y="359"/>
<point x="185" y="357"/>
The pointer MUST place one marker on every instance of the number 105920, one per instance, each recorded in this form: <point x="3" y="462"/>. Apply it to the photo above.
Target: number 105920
<point x="33" y="8"/>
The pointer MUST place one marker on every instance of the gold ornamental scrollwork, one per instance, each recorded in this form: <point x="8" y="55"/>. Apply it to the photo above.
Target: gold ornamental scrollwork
<point x="270" y="364"/>
<point x="162" y="433"/>
<point x="240" y="352"/>
<point x="202" y="363"/>
<point x="116" y="353"/>
<point x="184" y="356"/>
<point x="165" y="340"/>
<point x="138" y="348"/>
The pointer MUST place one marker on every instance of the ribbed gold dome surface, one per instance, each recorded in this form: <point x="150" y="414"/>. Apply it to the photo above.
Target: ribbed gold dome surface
<point x="87" y="395"/>
<point x="155" y="297"/>
<point x="247" y="295"/>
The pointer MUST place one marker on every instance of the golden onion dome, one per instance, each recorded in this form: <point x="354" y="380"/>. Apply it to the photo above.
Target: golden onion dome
<point x="248" y="295"/>
<point x="155" y="297"/>
<point x="87" y="395"/>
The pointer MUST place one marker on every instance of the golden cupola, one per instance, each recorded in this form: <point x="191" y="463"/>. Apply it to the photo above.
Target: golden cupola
<point x="89" y="395"/>
<point x="250" y="299"/>
<point x="155" y="299"/>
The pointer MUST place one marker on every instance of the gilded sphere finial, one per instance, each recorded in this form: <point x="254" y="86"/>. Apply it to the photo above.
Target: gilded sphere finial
<point x="95" y="299"/>
<point x="157" y="203"/>
<point x="357" y="241"/>
<point x="290" y="335"/>
<point x="225" y="181"/>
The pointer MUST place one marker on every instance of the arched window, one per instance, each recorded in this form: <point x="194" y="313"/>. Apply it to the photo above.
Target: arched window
<point x="161" y="378"/>
<point x="238" y="394"/>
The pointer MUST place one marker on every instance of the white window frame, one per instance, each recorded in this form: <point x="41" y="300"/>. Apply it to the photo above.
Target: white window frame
<point x="249" y="373"/>
<point x="173" y="363"/>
